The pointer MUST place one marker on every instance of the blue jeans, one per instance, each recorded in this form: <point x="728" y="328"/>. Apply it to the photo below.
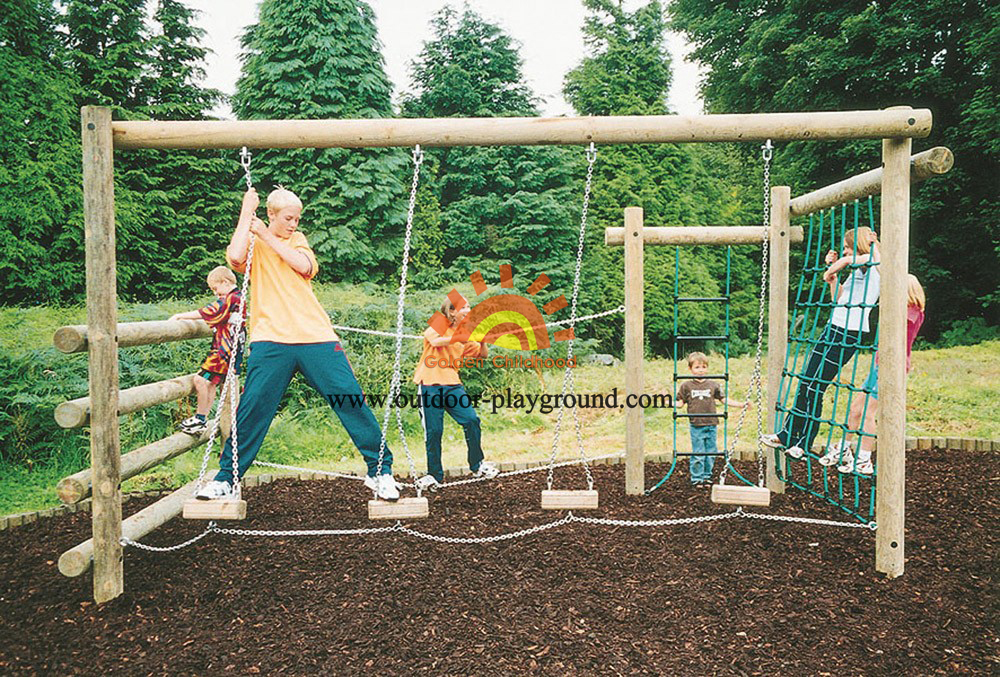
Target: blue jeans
<point x="270" y="368"/>
<point x="702" y="442"/>
<point x="434" y="401"/>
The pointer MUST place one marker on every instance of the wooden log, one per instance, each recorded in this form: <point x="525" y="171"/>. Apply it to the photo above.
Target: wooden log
<point x="890" y="509"/>
<point x="635" y="479"/>
<point x="444" y="132"/>
<point x="693" y="235"/>
<point x="933" y="162"/>
<point x="740" y="495"/>
<point x="563" y="499"/>
<point x="76" y="413"/>
<point x="777" y="317"/>
<point x="405" y="508"/>
<point x="102" y="318"/>
<point x="76" y="487"/>
<point x="219" y="509"/>
<point x="76" y="561"/>
<point x="73" y="338"/>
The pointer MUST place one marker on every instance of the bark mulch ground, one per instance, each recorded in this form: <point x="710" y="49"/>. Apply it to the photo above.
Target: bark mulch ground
<point x="736" y="596"/>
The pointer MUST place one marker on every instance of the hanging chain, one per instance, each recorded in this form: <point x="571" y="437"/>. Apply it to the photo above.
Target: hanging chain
<point x="395" y="384"/>
<point x="229" y="388"/>
<point x="755" y="389"/>
<point x="568" y="378"/>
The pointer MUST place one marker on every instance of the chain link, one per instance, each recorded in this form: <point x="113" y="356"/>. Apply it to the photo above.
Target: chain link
<point x="569" y="384"/>
<point x="488" y="539"/>
<point x="808" y="520"/>
<point x="267" y="533"/>
<point x="525" y="471"/>
<point x="124" y="540"/>
<point x="604" y="521"/>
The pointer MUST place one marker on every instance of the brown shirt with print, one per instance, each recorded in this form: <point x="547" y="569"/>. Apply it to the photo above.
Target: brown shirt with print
<point x="700" y="397"/>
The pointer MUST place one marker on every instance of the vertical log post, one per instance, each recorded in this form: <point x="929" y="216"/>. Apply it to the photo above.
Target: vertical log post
<point x="890" y="499"/>
<point x="777" y="315"/>
<point x="634" y="348"/>
<point x="105" y="454"/>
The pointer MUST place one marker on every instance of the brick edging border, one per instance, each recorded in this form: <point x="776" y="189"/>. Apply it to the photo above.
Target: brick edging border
<point x="22" y="518"/>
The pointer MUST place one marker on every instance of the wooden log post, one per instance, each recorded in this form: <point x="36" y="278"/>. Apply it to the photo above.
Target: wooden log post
<point x="76" y="561"/>
<point x="890" y="499"/>
<point x="76" y="413"/>
<point x="777" y="316"/>
<point x="634" y="347"/>
<point x="73" y="338"/>
<point x="99" y="235"/>
<point x="691" y="235"/>
<point x="444" y="132"/>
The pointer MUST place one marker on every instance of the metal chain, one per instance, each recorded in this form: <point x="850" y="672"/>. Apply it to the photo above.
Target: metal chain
<point x="755" y="389"/>
<point x="657" y="523"/>
<point x="330" y="473"/>
<point x="525" y="471"/>
<point x="124" y="540"/>
<point x="873" y="526"/>
<point x="395" y="385"/>
<point x="568" y="378"/>
<point x="374" y="332"/>
<point x="488" y="539"/>
<point x="307" y="532"/>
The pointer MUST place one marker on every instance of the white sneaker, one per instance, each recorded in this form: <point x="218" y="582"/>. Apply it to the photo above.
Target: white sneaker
<point x="215" y="490"/>
<point x="192" y="426"/>
<point x="427" y="483"/>
<point x="487" y="470"/>
<point x="847" y="464"/>
<point x="795" y="452"/>
<point x="833" y="454"/>
<point x="771" y="440"/>
<point x="384" y="486"/>
<point x="850" y="465"/>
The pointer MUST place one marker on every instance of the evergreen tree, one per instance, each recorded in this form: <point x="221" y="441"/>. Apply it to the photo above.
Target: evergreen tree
<point x="870" y="54"/>
<point x="321" y="59"/>
<point x="177" y="66"/>
<point x="502" y="204"/>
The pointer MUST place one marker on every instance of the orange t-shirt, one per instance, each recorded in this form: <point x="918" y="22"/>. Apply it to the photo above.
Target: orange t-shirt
<point x="283" y="307"/>
<point x="438" y="364"/>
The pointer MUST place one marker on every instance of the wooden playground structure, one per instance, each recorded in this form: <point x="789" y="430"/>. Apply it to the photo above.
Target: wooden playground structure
<point x="102" y="335"/>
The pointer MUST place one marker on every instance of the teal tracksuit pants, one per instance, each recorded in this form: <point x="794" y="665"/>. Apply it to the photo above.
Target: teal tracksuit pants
<point x="270" y="368"/>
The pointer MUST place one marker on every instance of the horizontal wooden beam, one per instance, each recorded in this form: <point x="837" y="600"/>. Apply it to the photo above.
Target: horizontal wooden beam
<point x="77" y="561"/>
<point x="876" y="124"/>
<point x="76" y="413"/>
<point x="73" y="338"/>
<point x="686" y="235"/>
<point x="933" y="162"/>
<point x="77" y="487"/>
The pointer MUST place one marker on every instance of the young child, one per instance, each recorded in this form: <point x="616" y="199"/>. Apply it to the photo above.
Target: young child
<point x="864" y="409"/>
<point x="700" y="394"/>
<point x="290" y="332"/>
<point x="440" y="389"/>
<point x="853" y="302"/>
<point x="220" y="315"/>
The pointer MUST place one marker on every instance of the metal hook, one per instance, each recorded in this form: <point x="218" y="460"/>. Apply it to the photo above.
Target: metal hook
<point x="418" y="155"/>
<point x="767" y="150"/>
<point x="591" y="153"/>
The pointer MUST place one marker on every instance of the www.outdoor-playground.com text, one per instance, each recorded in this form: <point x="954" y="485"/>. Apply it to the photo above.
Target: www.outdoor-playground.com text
<point x="545" y="402"/>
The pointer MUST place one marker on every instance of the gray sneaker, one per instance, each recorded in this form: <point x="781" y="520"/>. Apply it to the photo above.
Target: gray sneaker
<point x="215" y="490"/>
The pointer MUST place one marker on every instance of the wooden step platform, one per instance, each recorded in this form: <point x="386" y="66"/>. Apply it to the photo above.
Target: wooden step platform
<point x="404" y="508"/>
<point x="568" y="499"/>
<point x="740" y="495"/>
<point x="219" y="509"/>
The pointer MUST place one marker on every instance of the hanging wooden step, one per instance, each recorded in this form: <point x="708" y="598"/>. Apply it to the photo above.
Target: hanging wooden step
<point x="740" y="495"/>
<point x="568" y="499"/>
<point x="219" y="509"/>
<point x="403" y="509"/>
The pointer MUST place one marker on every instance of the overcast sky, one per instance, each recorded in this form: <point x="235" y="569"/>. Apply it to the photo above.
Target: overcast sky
<point x="549" y="32"/>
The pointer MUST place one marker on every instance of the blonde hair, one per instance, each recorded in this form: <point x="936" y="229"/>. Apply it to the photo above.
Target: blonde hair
<point x="281" y="197"/>
<point x="221" y="274"/>
<point x="447" y="308"/>
<point x="914" y="292"/>
<point x="697" y="357"/>
<point x="864" y="234"/>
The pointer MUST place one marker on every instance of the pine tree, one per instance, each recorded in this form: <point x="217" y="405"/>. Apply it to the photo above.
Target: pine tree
<point x="318" y="59"/>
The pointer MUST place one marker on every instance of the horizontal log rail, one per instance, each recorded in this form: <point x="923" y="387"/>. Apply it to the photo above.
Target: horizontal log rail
<point x="77" y="487"/>
<point x="442" y="132"/>
<point x="76" y="413"/>
<point x="77" y="561"/>
<point x="73" y="338"/>
<point x="933" y="162"/>
<point x="686" y="235"/>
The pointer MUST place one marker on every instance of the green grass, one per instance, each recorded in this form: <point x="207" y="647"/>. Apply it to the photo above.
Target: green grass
<point x="953" y="392"/>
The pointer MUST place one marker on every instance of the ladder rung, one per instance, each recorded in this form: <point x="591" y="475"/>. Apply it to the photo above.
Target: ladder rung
<point x="701" y="338"/>
<point x="685" y="377"/>
<point x="701" y="298"/>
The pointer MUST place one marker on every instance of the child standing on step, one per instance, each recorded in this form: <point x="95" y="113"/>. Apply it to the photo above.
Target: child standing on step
<point x="220" y="315"/>
<point x="439" y="389"/>
<point x="699" y="394"/>
<point x="841" y="338"/>
<point x="290" y="332"/>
